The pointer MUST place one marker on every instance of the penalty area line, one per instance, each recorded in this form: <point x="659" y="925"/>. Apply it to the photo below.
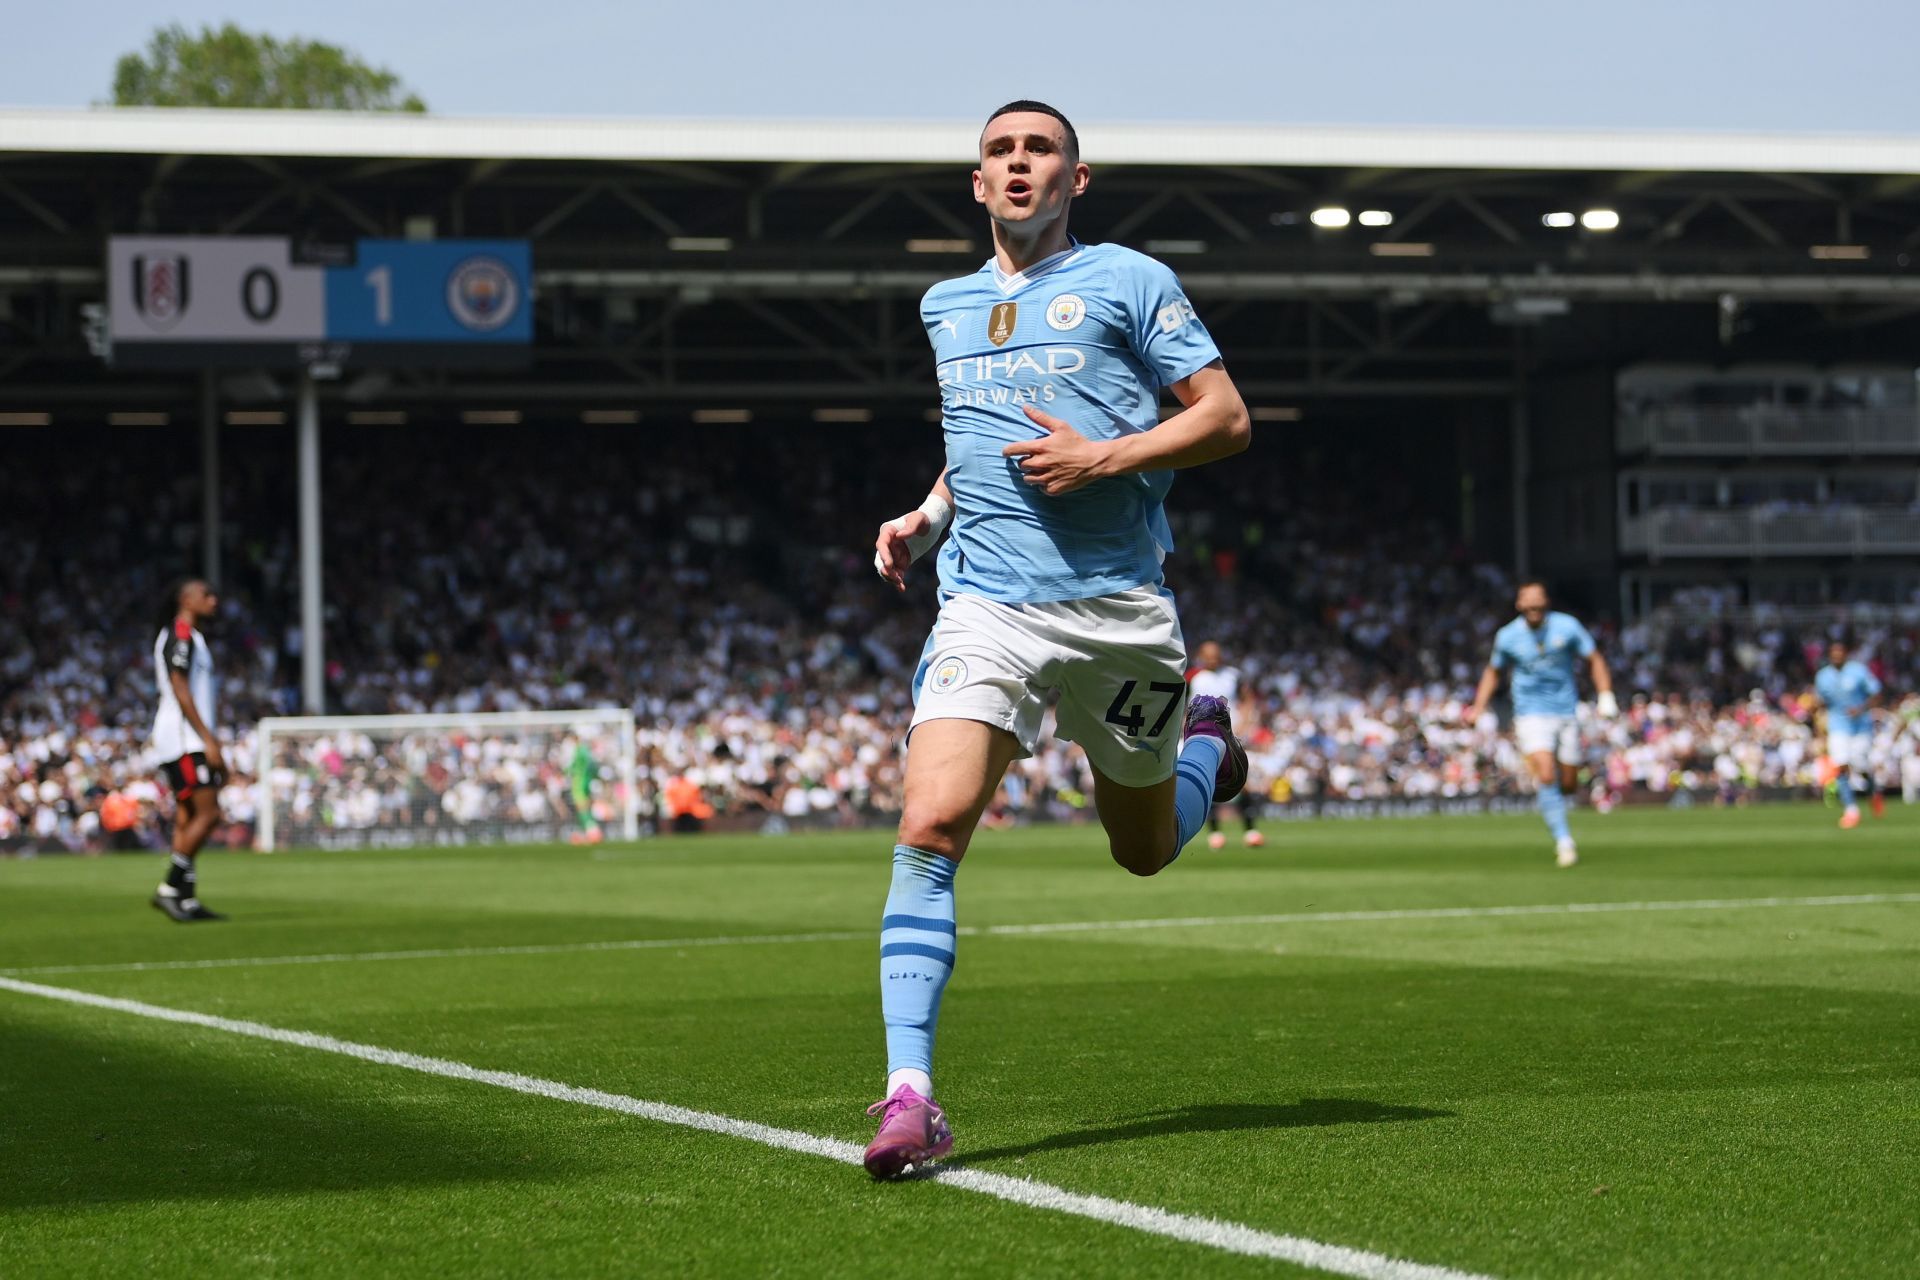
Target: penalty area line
<point x="1228" y="1237"/>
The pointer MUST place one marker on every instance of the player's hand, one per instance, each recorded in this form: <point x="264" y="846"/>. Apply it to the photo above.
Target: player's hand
<point x="1471" y="717"/>
<point x="216" y="761"/>
<point x="1060" y="461"/>
<point x="891" y="555"/>
<point x="1607" y="705"/>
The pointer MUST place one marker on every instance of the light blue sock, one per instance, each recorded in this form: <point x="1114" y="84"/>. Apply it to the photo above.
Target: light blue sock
<point x="916" y="954"/>
<point x="1553" y="807"/>
<point x="1198" y="766"/>
<point x="1846" y="789"/>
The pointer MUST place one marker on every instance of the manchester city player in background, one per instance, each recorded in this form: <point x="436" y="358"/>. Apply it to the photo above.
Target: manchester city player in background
<point x="1848" y="691"/>
<point x="1051" y="361"/>
<point x="1541" y="648"/>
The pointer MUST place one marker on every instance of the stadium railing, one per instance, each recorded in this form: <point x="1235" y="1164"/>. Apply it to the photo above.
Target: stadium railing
<point x="1717" y="430"/>
<point x="1844" y="531"/>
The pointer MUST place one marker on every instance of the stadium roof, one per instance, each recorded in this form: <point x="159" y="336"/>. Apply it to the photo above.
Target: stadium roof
<point x="777" y="262"/>
<point x="162" y="131"/>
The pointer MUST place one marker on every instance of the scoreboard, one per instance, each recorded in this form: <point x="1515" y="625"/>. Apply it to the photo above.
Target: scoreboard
<point x="204" y="301"/>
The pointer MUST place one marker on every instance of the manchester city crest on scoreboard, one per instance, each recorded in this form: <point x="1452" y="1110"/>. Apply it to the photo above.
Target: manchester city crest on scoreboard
<point x="161" y="288"/>
<point x="1001" y="321"/>
<point x="1066" y="312"/>
<point x="483" y="293"/>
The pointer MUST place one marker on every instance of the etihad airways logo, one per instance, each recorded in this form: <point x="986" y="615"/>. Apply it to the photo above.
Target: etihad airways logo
<point x="1048" y="362"/>
<point x="1019" y="377"/>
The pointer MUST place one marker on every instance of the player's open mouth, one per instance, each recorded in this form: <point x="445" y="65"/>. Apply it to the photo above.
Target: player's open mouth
<point x="1018" y="190"/>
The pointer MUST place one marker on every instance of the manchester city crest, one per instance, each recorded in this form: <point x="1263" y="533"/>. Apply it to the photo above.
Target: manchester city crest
<point x="1066" y="312"/>
<point x="483" y="293"/>
<point x="947" y="674"/>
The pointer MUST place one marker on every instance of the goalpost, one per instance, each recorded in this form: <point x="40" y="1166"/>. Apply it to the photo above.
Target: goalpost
<point x="393" y="781"/>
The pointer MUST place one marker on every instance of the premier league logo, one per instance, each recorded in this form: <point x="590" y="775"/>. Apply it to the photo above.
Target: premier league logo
<point x="483" y="294"/>
<point x="160" y="288"/>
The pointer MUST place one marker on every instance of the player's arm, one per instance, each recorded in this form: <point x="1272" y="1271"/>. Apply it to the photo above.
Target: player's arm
<point x="1603" y="700"/>
<point x="1872" y="688"/>
<point x="1483" y="696"/>
<point x="1213" y="424"/>
<point x="906" y="538"/>
<point x="1172" y="344"/>
<point x="183" y="694"/>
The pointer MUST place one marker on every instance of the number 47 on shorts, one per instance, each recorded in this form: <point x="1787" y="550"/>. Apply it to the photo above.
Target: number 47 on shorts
<point x="1132" y="717"/>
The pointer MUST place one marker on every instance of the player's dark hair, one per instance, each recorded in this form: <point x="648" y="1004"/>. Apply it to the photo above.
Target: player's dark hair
<point x="1028" y="104"/>
<point x="175" y="589"/>
<point x="1533" y="582"/>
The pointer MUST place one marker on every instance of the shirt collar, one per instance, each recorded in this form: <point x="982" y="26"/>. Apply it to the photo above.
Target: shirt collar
<point x="1011" y="283"/>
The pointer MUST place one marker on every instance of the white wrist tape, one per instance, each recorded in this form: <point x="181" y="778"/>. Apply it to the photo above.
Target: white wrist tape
<point x="1607" y="705"/>
<point x="939" y="513"/>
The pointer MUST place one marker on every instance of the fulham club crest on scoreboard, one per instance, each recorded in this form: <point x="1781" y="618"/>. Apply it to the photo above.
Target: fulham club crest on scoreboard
<point x="161" y="288"/>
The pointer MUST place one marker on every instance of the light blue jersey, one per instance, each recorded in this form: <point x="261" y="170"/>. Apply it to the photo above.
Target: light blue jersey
<point x="1542" y="663"/>
<point x="1089" y="335"/>
<point x="1843" y="689"/>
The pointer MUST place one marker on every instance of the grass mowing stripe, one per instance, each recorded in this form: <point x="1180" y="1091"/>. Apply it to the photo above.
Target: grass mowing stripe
<point x="1455" y="913"/>
<point x="1229" y="1237"/>
<point x="995" y="930"/>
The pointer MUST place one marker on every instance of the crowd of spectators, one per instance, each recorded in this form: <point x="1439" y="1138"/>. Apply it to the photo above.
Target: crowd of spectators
<point x="721" y="589"/>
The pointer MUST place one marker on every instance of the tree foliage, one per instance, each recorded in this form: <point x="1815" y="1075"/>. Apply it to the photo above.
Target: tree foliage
<point x="229" y="67"/>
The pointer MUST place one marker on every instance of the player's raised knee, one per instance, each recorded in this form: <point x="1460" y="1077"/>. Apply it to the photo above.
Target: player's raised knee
<point x="1142" y="858"/>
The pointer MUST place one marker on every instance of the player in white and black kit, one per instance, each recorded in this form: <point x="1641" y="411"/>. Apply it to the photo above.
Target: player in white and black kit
<point x="184" y="742"/>
<point x="1211" y="679"/>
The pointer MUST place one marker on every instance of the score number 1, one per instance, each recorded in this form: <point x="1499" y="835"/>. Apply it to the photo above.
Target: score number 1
<point x="380" y="280"/>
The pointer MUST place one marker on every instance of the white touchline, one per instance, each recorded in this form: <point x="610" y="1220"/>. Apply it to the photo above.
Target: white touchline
<point x="992" y="930"/>
<point x="1231" y="1237"/>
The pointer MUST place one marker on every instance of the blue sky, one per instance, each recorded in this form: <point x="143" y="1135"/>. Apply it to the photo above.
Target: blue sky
<point x="1719" y="64"/>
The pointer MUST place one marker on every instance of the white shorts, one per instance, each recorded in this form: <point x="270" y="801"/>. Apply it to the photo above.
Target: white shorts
<point x="1850" y="750"/>
<point x="1119" y="662"/>
<point x="1557" y="735"/>
<point x="172" y="736"/>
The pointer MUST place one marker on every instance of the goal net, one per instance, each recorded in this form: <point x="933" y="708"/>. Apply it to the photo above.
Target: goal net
<point x="355" y="782"/>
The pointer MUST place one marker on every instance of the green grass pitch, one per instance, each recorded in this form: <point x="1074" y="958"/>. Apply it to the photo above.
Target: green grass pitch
<point x="1703" y="1091"/>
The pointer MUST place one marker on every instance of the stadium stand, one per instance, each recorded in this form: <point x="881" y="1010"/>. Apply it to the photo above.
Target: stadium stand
<point x="768" y="668"/>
